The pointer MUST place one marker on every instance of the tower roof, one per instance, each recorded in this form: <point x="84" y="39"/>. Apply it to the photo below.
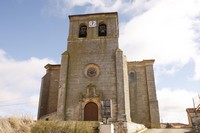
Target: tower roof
<point x="105" y="13"/>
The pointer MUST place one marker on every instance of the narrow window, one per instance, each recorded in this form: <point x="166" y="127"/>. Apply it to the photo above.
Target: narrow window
<point x="83" y="31"/>
<point x="132" y="76"/>
<point x="102" y="30"/>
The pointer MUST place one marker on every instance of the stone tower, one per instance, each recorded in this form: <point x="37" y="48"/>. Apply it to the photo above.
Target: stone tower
<point x="93" y="68"/>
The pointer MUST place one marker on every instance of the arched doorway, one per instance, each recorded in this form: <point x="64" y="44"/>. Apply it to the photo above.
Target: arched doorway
<point x="91" y="112"/>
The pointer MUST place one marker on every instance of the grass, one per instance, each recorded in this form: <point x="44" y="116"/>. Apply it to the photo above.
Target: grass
<point x="27" y="125"/>
<point x="16" y="125"/>
<point x="64" y="127"/>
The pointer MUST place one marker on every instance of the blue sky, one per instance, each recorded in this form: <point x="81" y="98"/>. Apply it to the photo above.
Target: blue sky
<point x="34" y="33"/>
<point x="26" y="31"/>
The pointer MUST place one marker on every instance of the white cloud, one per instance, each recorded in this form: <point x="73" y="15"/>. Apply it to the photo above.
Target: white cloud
<point x="20" y="82"/>
<point x="173" y="104"/>
<point x="61" y="8"/>
<point x="197" y="66"/>
<point x="196" y="100"/>
<point x="165" y="30"/>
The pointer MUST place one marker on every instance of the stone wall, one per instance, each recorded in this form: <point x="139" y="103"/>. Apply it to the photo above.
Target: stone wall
<point x="194" y="118"/>
<point x="128" y="127"/>
<point x="49" y="90"/>
<point x="43" y="100"/>
<point x="196" y="126"/>
<point x="143" y="100"/>
<point x="123" y="100"/>
<point x="153" y="102"/>
<point x="62" y="92"/>
<point x="139" y="94"/>
<point x="96" y="51"/>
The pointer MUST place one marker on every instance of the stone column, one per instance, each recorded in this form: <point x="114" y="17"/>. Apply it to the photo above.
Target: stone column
<point x="62" y="87"/>
<point x="153" y="102"/>
<point x="123" y="103"/>
<point x="44" y="95"/>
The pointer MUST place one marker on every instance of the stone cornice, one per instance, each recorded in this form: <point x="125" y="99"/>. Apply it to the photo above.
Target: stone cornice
<point x="141" y="63"/>
<point x="52" y="67"/>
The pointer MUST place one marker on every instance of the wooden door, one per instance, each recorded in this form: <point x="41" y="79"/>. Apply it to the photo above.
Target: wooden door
<point x="91" y="112"/>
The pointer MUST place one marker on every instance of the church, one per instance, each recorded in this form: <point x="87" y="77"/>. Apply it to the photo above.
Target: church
<point x="94" y="69"/>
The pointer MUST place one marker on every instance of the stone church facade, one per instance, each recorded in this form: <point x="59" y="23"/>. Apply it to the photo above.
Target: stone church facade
<point x="93" y="69"/>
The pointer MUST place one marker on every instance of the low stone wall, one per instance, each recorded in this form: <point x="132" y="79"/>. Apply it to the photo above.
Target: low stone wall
<point x="106" y="128"/>
<point x="196" y="126"/>
<point x="49" y="117"/>
<point x="128" y="127"/>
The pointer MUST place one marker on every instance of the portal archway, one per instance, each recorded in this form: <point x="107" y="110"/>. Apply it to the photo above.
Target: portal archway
<point x="91" y="112"/>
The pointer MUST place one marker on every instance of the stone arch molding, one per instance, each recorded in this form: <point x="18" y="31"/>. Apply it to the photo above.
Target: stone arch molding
<point x="85" y="101"/>
<point x="90" y="95"/>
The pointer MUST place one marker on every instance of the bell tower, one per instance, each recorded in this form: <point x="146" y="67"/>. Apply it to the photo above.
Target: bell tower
<point x="93" y="69"/>
<point x="94" y="80"/>
<point x="93" y="26"/>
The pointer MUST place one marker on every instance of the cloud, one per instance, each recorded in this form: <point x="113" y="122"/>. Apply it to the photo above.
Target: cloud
<point x="20" y="83"/>
<point x="167" y="31"/>
<point x="197" y="66"/>
<point x="171" y="104"/>
<point x="61" y="8"/>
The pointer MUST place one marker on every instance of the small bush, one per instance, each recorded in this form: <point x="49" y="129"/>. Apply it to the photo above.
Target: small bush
<point x="86" y="126"/>
<point x="15" y="125"/>
<point x="5" y="126"/>
<point x="64" y="127"/>
<point x="52" y="127"/>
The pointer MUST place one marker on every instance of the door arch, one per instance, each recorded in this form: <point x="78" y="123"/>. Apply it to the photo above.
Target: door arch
<point x="91" y="112"/>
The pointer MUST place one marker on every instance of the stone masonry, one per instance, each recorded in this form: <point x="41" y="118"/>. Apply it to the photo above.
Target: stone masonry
<point x="93" y="69"/>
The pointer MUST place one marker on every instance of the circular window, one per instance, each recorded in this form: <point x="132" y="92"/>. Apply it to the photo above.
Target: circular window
<point x="91" y="70"/>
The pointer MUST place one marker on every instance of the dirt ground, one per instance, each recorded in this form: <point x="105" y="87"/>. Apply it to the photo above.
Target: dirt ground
<point x="187" y="130"/>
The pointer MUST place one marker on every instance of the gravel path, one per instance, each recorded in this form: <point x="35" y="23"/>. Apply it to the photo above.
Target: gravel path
<point x="168" y="131"/>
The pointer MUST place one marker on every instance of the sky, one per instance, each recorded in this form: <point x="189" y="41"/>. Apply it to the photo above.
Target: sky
<point x="34" y="33"/>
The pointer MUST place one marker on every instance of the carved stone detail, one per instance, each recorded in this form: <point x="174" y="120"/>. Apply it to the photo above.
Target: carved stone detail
<point x="90" y="91"/>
